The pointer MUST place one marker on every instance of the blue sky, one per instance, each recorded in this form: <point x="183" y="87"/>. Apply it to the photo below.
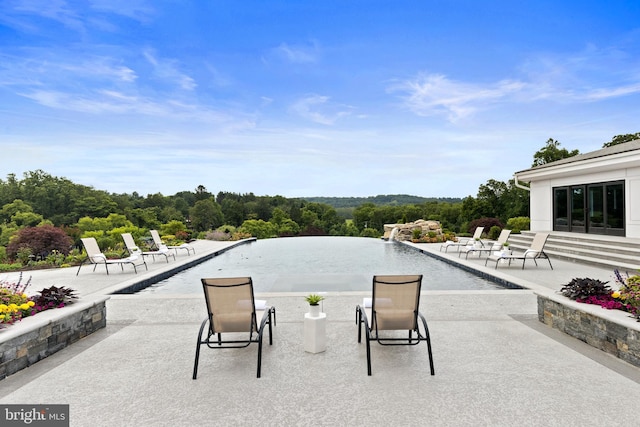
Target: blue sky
<point x="310" y="98"/>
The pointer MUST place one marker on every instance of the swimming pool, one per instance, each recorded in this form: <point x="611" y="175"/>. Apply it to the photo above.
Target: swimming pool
<point x="321" y="264"/>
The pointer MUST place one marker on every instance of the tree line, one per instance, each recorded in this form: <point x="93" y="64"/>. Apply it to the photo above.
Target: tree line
<point x="39" y="198"/>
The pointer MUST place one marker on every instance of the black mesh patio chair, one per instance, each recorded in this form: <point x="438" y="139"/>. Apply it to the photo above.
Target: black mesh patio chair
<point x="393" y="307"/>
<point x="232" y="312"/>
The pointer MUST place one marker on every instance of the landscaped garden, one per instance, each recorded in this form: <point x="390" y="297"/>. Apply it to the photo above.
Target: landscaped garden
<point x="597" y="292"/>
<point x="16" y="304"/>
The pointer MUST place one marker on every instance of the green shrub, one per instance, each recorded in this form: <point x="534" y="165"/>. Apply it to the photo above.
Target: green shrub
<point x="487" y="223"/>
<point x="494" y="232"/>
<point x="10" y="267"/>
<point x="369" y="232"/>
<point x="416" y="233"/>
<point x="172" y="227"/>
<point x="517" y="224"/>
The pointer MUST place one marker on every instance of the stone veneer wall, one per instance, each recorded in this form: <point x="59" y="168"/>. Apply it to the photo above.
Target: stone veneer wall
<point x="405" y="231"/>
<point x="34" y="338"/>
<point x="612" y="331"/>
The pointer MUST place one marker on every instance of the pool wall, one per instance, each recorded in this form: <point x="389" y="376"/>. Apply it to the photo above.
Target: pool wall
<point x="497" y="280"/>
<point x="144" y="283"/>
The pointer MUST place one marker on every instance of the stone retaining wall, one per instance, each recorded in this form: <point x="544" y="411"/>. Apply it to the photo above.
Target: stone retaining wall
<point x="34" y="338"/>
<point x="612" y="331"/>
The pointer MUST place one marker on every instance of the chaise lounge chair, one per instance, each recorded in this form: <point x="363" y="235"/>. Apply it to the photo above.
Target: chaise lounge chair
<point x="464" y="241"/>
<point x="393" y="307"/>
<point x="535" y="251"/>
<point x="133" y="249"/>
<point x="95" y="257"/>
<point x="233" y="311"/>
<point x="490" y="247"/>
<point x="157" y="241"/>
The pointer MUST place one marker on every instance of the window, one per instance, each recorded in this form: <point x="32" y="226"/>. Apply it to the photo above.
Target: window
<point x="594" y="208"/>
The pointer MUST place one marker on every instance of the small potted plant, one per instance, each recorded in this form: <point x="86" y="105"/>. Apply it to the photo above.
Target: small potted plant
<point x="314" y="304"/>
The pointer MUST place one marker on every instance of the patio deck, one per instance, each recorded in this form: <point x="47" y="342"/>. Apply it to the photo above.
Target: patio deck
<point x="496" y="364"/>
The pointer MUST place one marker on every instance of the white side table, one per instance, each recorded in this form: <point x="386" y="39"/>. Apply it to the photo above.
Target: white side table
<point x="315" y="333"/>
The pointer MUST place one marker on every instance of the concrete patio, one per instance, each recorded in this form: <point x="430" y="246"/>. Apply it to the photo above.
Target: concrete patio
<point x="496" y="364"/>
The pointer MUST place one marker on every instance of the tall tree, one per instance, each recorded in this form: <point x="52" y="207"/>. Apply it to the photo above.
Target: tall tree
<point x="621" y="139"/>
<point x="551" y="152"/>
<point x="206" y="215"/>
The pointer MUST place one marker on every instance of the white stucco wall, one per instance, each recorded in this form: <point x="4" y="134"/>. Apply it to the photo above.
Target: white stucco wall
<point x="541" y="207"/>
<point x="632" y="208"/>
<point x="618" y="167"/>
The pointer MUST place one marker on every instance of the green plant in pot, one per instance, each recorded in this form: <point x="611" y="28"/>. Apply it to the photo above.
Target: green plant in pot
<point x="314" y="304"/>
<point x="314" y="299"/>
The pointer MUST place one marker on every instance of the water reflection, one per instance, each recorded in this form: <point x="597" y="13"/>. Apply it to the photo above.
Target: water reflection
<point x="315" y="264"/>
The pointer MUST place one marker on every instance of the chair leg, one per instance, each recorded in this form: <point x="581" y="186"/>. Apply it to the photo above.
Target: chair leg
<point x="368" y="339"/>
<point x="80" y="266"/>
<point x="433" y="372"/>
<point x="198" y="343"/>
<point x="359" y="323"/>
<point x="259" y="353"/>
<point x="428" y="339"/>
<point x="270" y="329"/>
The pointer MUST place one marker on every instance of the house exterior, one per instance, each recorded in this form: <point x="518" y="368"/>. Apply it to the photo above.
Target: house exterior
<point x="592" y="193"/>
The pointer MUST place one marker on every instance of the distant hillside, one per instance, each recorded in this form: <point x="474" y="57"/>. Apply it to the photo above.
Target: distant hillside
<point x="380" y="200"/>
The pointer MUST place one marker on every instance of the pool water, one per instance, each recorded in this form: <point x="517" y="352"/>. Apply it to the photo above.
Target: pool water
<point x="321" y="264"/>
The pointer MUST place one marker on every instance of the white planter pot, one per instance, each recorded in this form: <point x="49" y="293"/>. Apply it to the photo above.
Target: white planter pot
<point x="314" y="310"/>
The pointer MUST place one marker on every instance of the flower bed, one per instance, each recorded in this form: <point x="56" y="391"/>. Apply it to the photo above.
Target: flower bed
<point x="34" y="327"/>
<point x="596" y="292"/>
<point x="15" y="304"/>
<point x="37" y="337"/>
<point x="594" y="313"/>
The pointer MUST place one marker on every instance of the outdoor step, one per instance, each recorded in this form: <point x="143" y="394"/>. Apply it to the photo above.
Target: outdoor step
<point x="605" y="251"/>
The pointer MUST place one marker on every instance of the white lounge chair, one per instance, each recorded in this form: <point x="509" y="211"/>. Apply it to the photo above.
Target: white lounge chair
<point x="464" y="241"/>
<point x="133" y="249"/>
<point x="535" y="251"/>
<point x="95" y="257"/>
<point x="157" y="241"/>
<point x="490" y="247"/>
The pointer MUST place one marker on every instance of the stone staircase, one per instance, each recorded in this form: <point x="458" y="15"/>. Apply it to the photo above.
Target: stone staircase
<point x="612" y="252"/>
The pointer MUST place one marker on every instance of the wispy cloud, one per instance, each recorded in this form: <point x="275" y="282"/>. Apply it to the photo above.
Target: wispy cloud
<point x="298" y="54"/>
<point x="55" y="10"/>
<point x="319" y="109"/>
<point x="140" y="10"/>
<point x="168" y="70"/>
<point x="430" y="94"/>
<point x="76" y="16"/>
<point x="578" y="78"/>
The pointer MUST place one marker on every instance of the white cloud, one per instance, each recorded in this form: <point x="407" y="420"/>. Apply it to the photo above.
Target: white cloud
<point x="318" y="109"/>
<point x="588" y="76"/>
<point x="168" y="71"/>
<point x="139" y="10"/>
<point x="436" y="94"/>
<point x="56" y="10"/>
<point x="298" y="54"/>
